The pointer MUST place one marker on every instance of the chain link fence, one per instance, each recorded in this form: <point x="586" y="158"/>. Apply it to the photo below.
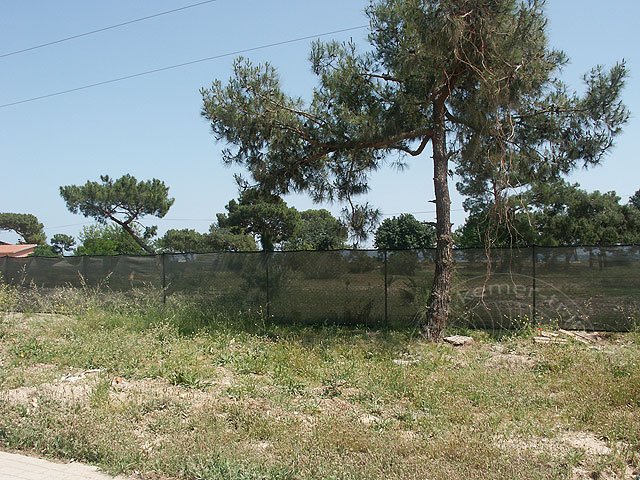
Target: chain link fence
<point x="593" y="288"/>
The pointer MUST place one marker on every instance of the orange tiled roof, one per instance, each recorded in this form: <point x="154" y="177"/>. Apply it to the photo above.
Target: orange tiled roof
<point x="17" y="250"/>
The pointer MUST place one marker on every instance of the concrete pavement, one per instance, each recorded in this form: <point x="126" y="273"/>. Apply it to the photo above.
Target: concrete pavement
<point x="20" y="467"/>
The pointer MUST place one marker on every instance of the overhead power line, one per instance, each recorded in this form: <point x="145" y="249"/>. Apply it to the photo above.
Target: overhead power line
<point x="180" y="65"/>
<point x="418" y="213"/>
<point x="197" y="220"/>
<point x="214" y="219"/>
<point x="110" y="27"/>
<point x="71" y="225"/>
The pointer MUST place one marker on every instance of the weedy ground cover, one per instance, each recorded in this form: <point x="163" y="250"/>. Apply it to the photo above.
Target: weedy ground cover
<point x="187" y="392"/>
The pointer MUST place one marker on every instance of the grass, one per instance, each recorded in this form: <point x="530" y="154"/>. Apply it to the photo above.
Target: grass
<point x="183" y="393"/>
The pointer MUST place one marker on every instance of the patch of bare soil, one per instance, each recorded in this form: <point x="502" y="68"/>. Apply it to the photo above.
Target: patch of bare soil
<point x="24" y="320"/>
<point x="588" y="442"/>
<point x="335" y="406"/>
<point x="592" y="446"/>
<point x="257" y="448"/>
<point x="75" y="386"/>
<point x="594" y="449"/>
<point x="123" y="390"/>
<point x="71" y="387"/>
<point x="581" y="473"/>
<point x="510" y="361"/>
<point x="39" y="370"/>
<point x="128" y="390"/>
<point x="333" y="390"/>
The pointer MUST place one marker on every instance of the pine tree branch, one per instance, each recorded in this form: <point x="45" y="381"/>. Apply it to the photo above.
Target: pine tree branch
<point x="391" y="142"/>
<point x="383" y="76"/>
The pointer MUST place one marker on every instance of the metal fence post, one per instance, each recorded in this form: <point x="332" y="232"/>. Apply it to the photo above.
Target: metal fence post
<point x="386" y="289"/>
<point x="266" y="264"/>
<point x="533" y="292"/>
<point x="164" y="280"/>
<point x="5" y="267"/>
<point x="27" y="271"/>
<point x="82" y="273"/>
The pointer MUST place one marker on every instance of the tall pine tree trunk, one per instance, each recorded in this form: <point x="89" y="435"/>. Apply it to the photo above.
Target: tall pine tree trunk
<point x="127" y="228"/>
<point x="440" y="298"/>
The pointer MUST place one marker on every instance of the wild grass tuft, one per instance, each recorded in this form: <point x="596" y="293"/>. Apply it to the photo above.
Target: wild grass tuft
<point x="185" y="390"/>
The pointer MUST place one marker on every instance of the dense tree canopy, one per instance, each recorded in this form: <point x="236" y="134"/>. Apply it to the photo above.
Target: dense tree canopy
<point x="62" y="243"/>
<point x="634" y="200"/>
<point x="216" y="240"/>
<point x="485" y="227"/>
<point x="317" y="230"/>
<point x="551" y="214"/>
<point x="123" y="201"/>
<point x="292" y="230"/>
<point x="475" y="79"/>
<point x="44" y="250"/>
<point x="404" y="232"/>
<point x="107" y="240"/>
<point x="224" y="240"/>
<point x="262" y="214"/>
<point x="185" y="240"/>
<point x="25" y="225"/>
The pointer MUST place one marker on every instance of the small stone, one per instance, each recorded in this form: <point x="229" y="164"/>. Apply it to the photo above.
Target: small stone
<point x="458" y="340"/>
<point x="118" y="381"/>
<point x="549" y="340"/>
<point x="548" y="334"/>
<point x="368" y="420"/>
<point x="404" y="362"/>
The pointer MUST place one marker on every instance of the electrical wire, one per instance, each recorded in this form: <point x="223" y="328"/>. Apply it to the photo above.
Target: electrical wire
<point x="71" y="225"/>
<point x="418" y="213"/>
<point x="110" y="27"/>
<point x="180" y="65"/>
<point x="214" y="219"/>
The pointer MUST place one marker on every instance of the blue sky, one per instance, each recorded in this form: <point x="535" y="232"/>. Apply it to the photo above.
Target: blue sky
<point x="151" y="126"/>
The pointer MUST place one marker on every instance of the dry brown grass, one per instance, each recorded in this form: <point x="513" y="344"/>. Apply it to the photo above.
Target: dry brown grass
<point x="134" y="394"/>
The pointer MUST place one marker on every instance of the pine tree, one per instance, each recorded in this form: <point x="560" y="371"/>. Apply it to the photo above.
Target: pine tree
<point x="473" y="79"/>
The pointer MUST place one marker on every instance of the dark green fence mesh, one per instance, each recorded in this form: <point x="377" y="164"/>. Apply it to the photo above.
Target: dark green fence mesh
<point x="601" y="286"/>
<point x="573" y="287"/>
<point x="493" y="289"/>
<point x="116" y="273"/>
<point x="234" y="280"/>
<point x="409" y="275"/>
<point x="338" y="286"/>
